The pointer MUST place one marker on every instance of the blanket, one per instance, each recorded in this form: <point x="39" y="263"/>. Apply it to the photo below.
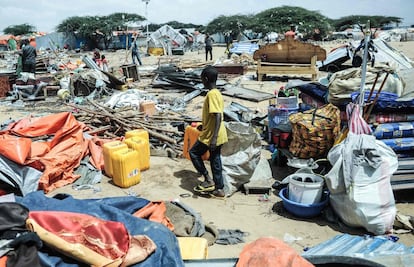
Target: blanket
<point x="118" y="209"/>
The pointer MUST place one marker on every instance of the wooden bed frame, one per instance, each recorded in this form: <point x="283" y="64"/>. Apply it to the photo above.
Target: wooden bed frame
<point x="288" y="56"/>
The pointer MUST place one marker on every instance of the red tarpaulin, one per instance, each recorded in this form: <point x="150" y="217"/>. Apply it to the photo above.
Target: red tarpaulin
<point x="53" y="144"/>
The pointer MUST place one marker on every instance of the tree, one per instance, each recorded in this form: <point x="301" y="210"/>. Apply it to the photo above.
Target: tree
<point x="20" y="29"/>
<point x="276" y="19"/>
<point x="375" y="21"/>
<point x="181" y="25"/>
<point x="280" y="19"/>
<point x="235" y="25"/>
<point x="97" y="29"/>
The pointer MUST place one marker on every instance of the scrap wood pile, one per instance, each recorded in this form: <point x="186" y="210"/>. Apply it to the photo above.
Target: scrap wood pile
<point x="106" y="122"/>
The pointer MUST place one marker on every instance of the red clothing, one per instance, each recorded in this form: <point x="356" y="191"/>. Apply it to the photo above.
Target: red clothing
<point x="290" y="34"/>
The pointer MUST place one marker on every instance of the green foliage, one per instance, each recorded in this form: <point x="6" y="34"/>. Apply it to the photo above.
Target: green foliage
<point x="20" y="29"/>
<point x="375" y="21"/>
<point x="234" y="24"/>
<point x="181" y="25"/>
<point x="276" y="19"/>
<point x="89" y="25"/>
<point x="97" y="28"/>
<point x="280" y="19"/>
<point x="175" y="24"/>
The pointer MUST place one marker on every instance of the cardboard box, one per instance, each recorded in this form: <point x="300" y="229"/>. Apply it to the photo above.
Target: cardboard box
<point x="148" y="107"/>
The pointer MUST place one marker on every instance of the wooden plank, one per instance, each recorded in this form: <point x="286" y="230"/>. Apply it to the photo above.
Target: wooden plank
<point x="247" y="94"/>
<point x="273" y="68"/>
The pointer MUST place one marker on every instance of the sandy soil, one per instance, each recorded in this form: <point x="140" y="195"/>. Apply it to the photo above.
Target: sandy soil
<point x="169" y="179"/>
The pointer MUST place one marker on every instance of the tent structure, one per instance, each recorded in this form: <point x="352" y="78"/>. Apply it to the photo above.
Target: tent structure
<point x="383" y="53"/>
<point x="168" y="38"/>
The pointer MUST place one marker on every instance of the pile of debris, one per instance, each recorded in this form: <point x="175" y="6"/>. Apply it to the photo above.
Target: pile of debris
<point x="166" y="130"/>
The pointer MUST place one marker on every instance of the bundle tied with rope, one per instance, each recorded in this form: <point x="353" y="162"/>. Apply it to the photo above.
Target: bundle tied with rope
<point x="314" y="131"/>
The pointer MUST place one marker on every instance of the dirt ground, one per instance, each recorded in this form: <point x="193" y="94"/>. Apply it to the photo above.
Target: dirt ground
<point x="174" y="178"/>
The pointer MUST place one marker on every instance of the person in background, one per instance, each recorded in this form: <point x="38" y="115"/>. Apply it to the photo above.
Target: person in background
<point x="229" y="44"/>
<point x="317" y="34"/>
<point x="212" y="136"/>
<point x="291" y="33"/>
<point x="96" y="56"/>
<point x="104" y="63"/>
<point x="208" y="41"/>
<point x="29" y="55"/>
<point x="135" y="52"/>
<point x="12" y="44"/>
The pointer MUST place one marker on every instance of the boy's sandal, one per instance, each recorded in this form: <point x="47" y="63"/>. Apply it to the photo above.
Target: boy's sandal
<point x="217" y="194"/>
<point x="204" y="187"/>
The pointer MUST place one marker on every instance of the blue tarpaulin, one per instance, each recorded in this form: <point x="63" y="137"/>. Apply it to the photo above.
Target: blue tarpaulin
<point x="118" y="209"/>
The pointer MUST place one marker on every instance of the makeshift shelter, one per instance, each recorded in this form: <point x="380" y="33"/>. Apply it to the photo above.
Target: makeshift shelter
<point x="383" y="53"/>
<point x="5" y="38"/>
<point x="4" y="41"/>
<point x="55" y="40"/>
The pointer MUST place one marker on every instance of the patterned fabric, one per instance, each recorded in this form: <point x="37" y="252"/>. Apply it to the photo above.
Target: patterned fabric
<point x="394" y="130"/>
<point x="356" y="124"/>
<point x="89" y="239"/>
<point x="314" y="131"/>
<point x="390" y="117"/>
<point x="400" y="144"/>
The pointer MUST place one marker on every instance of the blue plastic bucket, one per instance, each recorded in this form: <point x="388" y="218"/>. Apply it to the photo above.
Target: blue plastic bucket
<point x="303" y="210"/>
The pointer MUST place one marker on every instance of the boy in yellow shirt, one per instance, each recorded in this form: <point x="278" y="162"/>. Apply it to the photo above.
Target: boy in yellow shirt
<point x="212" y="136"/>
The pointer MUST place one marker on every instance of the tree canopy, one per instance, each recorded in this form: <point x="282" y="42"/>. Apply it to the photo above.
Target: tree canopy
<point x="280" y="19"/>
<point x="88" y="25"/>
<point x="277" y="19"/>
<point x="98" y="28"/>
<point x="235" y="24"/>
<point x="375" y="21"/>
<point x="20" y="29"/>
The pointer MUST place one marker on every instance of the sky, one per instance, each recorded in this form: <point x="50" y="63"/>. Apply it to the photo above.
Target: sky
<point x="45" y="15"/>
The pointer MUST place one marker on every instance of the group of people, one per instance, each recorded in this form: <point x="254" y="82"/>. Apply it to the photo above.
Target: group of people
<point x="100" y="60"/>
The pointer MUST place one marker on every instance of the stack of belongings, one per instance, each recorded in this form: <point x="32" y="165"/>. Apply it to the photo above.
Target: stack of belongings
<point x="287" y="103"/>
<point x="392" y="122"/>
<point x="389" y="82"/>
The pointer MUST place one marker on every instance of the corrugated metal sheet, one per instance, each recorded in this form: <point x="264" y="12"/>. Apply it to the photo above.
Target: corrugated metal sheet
<point x="377" y="248"/>
<point x="350" y="245"/>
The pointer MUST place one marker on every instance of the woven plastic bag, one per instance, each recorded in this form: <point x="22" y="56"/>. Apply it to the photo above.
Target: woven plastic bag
<point x="314" y="131"/>
<point x="360" y="182"/>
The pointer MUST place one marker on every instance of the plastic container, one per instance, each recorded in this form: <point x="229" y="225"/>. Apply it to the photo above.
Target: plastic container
<point x="277" y="116"/>
<point x="191" y="134"/>
<point x="125" y="164"/>
<point x="288" y="102"/>
<point x="305" y="188"/>
<point x="193" y="248"/>
<point x="303" y="210"/>
<point x="137" y="133"/>
<point x="108" y="149"/>
<point x="140" y="145"/>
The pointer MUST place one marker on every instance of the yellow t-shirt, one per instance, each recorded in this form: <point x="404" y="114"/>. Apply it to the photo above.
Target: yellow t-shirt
<point x="213" y="103"/>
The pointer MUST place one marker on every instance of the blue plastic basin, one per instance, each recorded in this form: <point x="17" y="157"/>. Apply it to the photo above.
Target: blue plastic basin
<point x="303" y="210"/>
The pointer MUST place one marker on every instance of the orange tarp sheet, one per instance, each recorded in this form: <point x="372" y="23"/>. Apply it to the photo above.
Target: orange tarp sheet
<point x="269" y="251"/>
<point x="57" y="154"/>
<point x="5" y="38"/>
